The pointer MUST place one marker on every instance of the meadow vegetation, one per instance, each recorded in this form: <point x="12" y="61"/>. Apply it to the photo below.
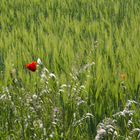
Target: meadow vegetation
<point x="88" y="85"/>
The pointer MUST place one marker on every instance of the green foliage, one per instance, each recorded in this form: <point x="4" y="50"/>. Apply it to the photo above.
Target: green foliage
<point x="90" y="55"/>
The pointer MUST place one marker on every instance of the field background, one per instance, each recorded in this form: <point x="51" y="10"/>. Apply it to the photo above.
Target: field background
<point x="88" y="86"/>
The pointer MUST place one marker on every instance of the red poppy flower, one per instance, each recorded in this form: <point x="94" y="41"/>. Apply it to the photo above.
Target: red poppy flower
<point x="32" y="66"/>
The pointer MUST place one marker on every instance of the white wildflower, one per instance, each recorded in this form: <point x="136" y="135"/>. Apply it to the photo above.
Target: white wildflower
<point x="34" y="96"/>
<point x="63" y="86"/>
<point x="39" y="61"/>
<point x="52" y="75"/>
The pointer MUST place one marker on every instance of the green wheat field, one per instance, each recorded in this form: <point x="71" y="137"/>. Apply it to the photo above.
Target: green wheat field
<point x="87" y="82"/>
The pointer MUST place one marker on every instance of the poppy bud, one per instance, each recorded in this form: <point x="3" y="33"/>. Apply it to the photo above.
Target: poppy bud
<point x="122" y="76"/>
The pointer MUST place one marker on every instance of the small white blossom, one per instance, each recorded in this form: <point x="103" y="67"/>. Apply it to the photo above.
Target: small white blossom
<point x="52" y="75"/>
<point x="39" y="61"/>
<point x="34" y="96"/>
